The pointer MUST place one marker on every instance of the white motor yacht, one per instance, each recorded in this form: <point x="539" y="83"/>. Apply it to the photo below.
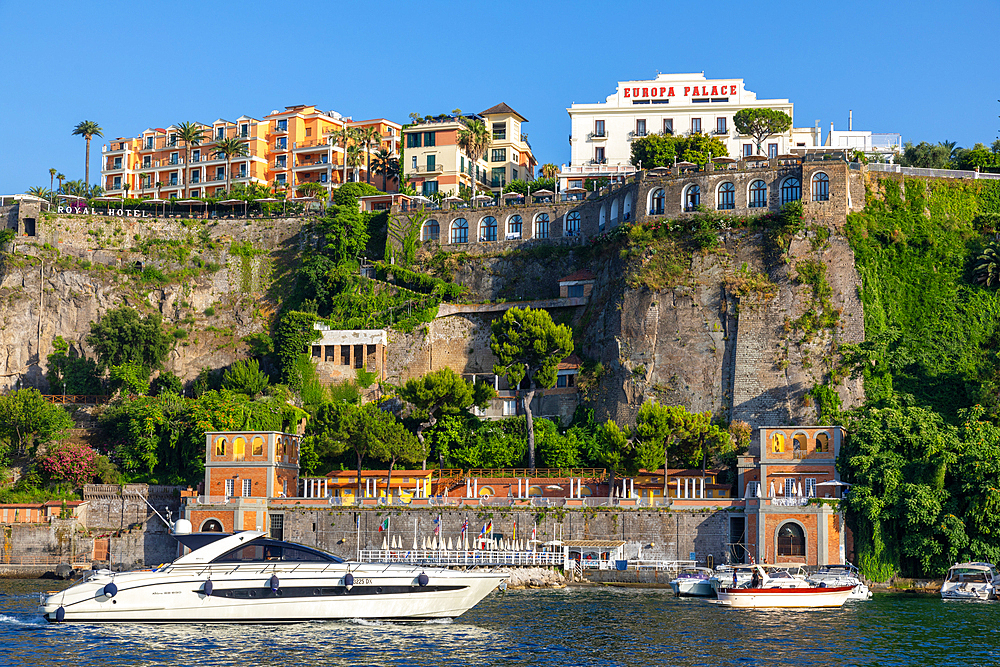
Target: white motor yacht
<point x="762" y="593"/>
<point x="249" y="578"/>
<point x="693" y="582"/>
<point x="841" y="575"/>
<point x="970" y="581"/>
<point x="782" y="575"/>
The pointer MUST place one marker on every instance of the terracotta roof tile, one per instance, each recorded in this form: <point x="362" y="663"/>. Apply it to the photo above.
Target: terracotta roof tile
<point x="582" y="274"/>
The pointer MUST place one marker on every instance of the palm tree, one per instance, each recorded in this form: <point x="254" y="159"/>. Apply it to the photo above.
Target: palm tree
<point x="39" y="191"/>
<point x="192" y="134"/>
<point x="52" y="178"/>
<point x="88" y="129"/>
<point x="370" y="137"/>
<point x="231" y="148"/>
<point x="549" y="170"/>
<point x="126" y="186"/>
<point x="987" y="271"/>
<point x="60" y="178"/>
<point x="344" y="136"/>
<point x="354" y="157"/>
<point x="474" y="140"/>
<point x="386" y="164"/>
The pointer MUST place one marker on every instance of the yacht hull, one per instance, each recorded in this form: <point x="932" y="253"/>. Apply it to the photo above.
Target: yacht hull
<point x="758" y="598"/>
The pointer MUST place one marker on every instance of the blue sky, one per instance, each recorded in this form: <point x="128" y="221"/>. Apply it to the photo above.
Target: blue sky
<point x="920" y="68"/>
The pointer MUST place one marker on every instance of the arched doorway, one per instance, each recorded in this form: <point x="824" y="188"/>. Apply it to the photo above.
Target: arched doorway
<point x="791" y="540"/>
<point x="211" y="526"/>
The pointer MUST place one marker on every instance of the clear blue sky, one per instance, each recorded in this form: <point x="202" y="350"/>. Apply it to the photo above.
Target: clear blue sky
<point x="924" y="69"/>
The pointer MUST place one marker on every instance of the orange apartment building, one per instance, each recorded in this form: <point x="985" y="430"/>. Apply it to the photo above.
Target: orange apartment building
<point x="285" y="148"/>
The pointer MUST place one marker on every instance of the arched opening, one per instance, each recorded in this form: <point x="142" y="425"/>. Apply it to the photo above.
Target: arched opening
<point x="239" y="448"/>
<point x="656" y="200"/>
<point x="627" y="207"/>
<point x="460" y="231"/>
<point x="432" y="231"/>
<point x="257" y="446"/>
<point x="823" y="442"/>
<point x="514" y="225"/>
<point x="535" y="491"/>
<point x="791" y="190"/>
<point x="820" y="187"/>
<point x="542" y="226"/>
<point x="486" y="492"/>
<point x="791" y="540"/>
<point x="758" y="194"/>
<point x="778" y="442"/>
<point x="488" y="229"/>
<point x="220" y="446"/>
<point x="692" y="197"/>
<point x="211" y="526"/>
<point x="614" y="213"/>
<point x="727" y="196"/>
<point x="602" y="223"/>
<point x="799" y="446"/>
<point x="573" y="223"/>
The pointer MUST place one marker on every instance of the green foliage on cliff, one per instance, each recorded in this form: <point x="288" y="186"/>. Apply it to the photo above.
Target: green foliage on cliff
<point x="659" y="150"/>
<point x="123" y="336"/>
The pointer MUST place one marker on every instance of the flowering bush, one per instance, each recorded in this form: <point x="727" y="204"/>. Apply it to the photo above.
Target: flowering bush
<point x="73" y="463"/>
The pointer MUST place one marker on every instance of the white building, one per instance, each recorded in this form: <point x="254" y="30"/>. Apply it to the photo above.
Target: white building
<point x="602" y="133"/>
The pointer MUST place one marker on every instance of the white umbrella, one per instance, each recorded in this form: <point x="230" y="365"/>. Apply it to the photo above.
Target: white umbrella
<point x="414" y="543"/>
<point x="466" y="545"/>
<point x="267" y="200"/>
<point x="512" y="195"/>
<point x="108" y="198"/>
<point x="423" y="545"/>
<point x="833" y="482"/>
<point x="542" y="193"/>
<point x="772" y="490"/>
<point x="385" y="544"/>
<point x="798" y="489"/>
<point x="575" y="191"/>
<point x="69" y="197"/>
<point x="483" y="198"/>
<point x="153" y="201"/>
<point x="453" y="199"/>
<point x="449" y="544"/>
<point x="189" y="202"/>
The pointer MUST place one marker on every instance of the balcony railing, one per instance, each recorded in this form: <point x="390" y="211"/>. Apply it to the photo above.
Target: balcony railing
<point x="598" y="135"/>
<point x="276" y="127"/>
<point x="428" y="169"/>
<point x="281" y="165"/>
<point x="311" y="144"/>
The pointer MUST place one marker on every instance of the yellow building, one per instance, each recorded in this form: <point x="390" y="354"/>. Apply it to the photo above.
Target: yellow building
<point x="509" y="156"/>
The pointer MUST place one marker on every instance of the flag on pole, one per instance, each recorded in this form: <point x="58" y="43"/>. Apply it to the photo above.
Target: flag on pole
<point x="489" y="528"/>
<point x="534" y="529"/>
<point x="482" y="533"/>
<point x="514" y="536"/>
<point x="384" y="525"/>
<point x="465" y="528"/>
<point x="437" y="525"/>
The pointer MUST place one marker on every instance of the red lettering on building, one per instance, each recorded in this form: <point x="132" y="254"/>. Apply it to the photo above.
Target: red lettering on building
<point x="687" y="90"/>
<point x="704" y="90"/>
<point x="645" y="92"/>
<point x="732" y="90"/>
<point x="635" y="92"/>
<point x="715" y="90"/>
<point x="663" y="91"/>
<point x="671" y="93"/>
<point x="627" y="91"/>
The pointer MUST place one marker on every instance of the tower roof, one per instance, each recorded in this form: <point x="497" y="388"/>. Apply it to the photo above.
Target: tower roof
<point x="503" y="107"/>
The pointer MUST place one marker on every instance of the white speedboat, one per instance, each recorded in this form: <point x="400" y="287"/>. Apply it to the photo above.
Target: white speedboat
<point x="782" y="575"/>
<point x="970" y="581"/>
<point x="841" y="575"/>
<point x="761" y="594"/>
<point x="693" y="582"/>
<point x="250" y="578"/>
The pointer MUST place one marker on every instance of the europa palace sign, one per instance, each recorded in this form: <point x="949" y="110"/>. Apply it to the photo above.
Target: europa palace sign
<point x="685" y="92"/>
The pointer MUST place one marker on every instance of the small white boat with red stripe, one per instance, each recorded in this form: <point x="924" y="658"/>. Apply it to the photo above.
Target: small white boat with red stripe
<point x="760" y="594"/>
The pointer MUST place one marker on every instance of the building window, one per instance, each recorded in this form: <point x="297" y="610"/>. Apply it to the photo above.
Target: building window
<point x="822" y="442"/>
<point x="281" y="143"/>
<point x="810" y="488"/>
<point x="244" y="131"/>
<point x="821" y="187"/>
<point x="432" y="230"/>
<point x="692" y="197"/>
<point x="514" y="227"/>
<point x="431" y="162"/>
<point x="542" y="226"/>
<point x="257" y="447"/>
<point x="282" y="126"/>
<point x="498" y="177"/>
<point x="772" y="151"/>
<point x="509" y="407"/>
<point x="656" y="202"/>
<point x="220" y="133"/>
<point x="488" y="229"/>
<point x="668" y="126"/>
<point x="791" y="190"/>
<point x="429" y="187"/>
<point x="149" y="142"/>
<point x="747" y="150"/>
<point x="230" y="488"/>
<point x="499" y="131"/>
<point x="513" y="174"/>
<point x="413" y="140"/>
<point x="460" y="231"/>
<point x="727" y="196"/>
<point x="196" y="176"/>
<point x="247" y="484"/>
<point x="789" y="487"/>
<point x="281" y="179"/>
<point x="640" y="127"/>
<point x="574" y="291"/>
<point x="117" y="184"/>
<point x="211" y="526"/>
<point x="239" y="448"/>
<point x="429" y="139"/>
<point x="758" y="194"/>
<point x="799" y="447"/>
<point x="599" y="128"/>
<point x="696" y="125"/>
<point x="277" y="522"/>
<point x="118" y="163"/>
<point x="146" y="161"/>
<point x="498" y="155"/>
<point x="413" y="161"/>
<point x="778" y="443"/>
<point x="220" y="447"/>
<point x="280" y="162"/>
<point x="573" y="223"/>
<point x="791" y="540"/>
<point x="323" y="178"/>
<point x="599" y="155"/>
<point x="720" y="126"/>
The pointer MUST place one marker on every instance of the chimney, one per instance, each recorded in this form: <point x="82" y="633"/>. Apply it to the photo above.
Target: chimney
<point x="850" y="119"/>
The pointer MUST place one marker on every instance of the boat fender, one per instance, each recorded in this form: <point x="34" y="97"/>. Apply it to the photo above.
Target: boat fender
<point x="273" y="582"/>
<point x="110" y="590"/>
<point x="423" y="579"/>
<point x="60" y="614"/>
<point x="348" y="581"/>
<point x="208" y="587"/>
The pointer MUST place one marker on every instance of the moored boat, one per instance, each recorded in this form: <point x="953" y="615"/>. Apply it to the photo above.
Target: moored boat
<point x="841" y="575"/>
<point x="782" y="575"/>
<point x="761" y="594"/>
<point x="970" y="581"/>
<point x="693" y="582"/>
<point x="249" y="578"/>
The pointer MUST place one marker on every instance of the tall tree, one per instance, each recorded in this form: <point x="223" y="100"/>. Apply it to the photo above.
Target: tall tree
<point x="192" y="134"/>
<point x="656" y="428"/>
<point x="88" y="129"/>
<point x="548" y="170"/>
<point x="355" y="153"/>
<point x="395" y="444"/>
<point x="345" y="137"/>
<point x="371" y="137"/>
<point x="52" y="180"/>
<point x="529" y="346"/>
<point x="475" y="140"/>
<point x="231" y="147"/>
<point x="440" y="393"/>
<point x="122" y="336"/>
<point x="60" y="178"/>
<point x="761" y="123"/>
<point x="387" y="165"/>
<point x="28" y="420"/>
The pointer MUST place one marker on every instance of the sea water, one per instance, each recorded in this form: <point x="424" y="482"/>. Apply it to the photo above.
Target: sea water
<point x="571" y="626"/>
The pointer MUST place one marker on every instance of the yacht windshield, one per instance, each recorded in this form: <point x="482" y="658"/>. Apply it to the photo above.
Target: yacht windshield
<point x="969" y="575"/>
<point x="262" y="551"/>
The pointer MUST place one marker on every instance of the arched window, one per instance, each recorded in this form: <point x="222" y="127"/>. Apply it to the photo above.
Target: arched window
<point x="432" y="230"/>
<point x="602" y="223"/>
<point x="239" y="448"/>
<point x="627" y="207"/>
<point x="460" y="231"/>
<point x="488" y="229"/>
<point x="211" y="526"/>
<point x="821" y="187"/>
<point x="486" y="492"/>
<point x="535" y="492"/>
<point x="791" y="540"/>
<point x="692" y="197"/>
<point x="727" y="196"/>
<point x="573" y="223"/>
<point x="799" y="446"/>
<point x="220" y="447"/>
<point x="257" y="446"/>
<point x="758" y="194"/>
<point x="791" y="190"/>
<point x="514" y="227"/>
<point x="614" y="213"/>
<point x="778" y="443"/>
<point x="542" y="226"/>
<point x="656" y="199"/>
<point x="822" y="442"/>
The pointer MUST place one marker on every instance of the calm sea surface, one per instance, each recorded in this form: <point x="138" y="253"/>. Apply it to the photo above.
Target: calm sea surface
<point x="575" y="626"/>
